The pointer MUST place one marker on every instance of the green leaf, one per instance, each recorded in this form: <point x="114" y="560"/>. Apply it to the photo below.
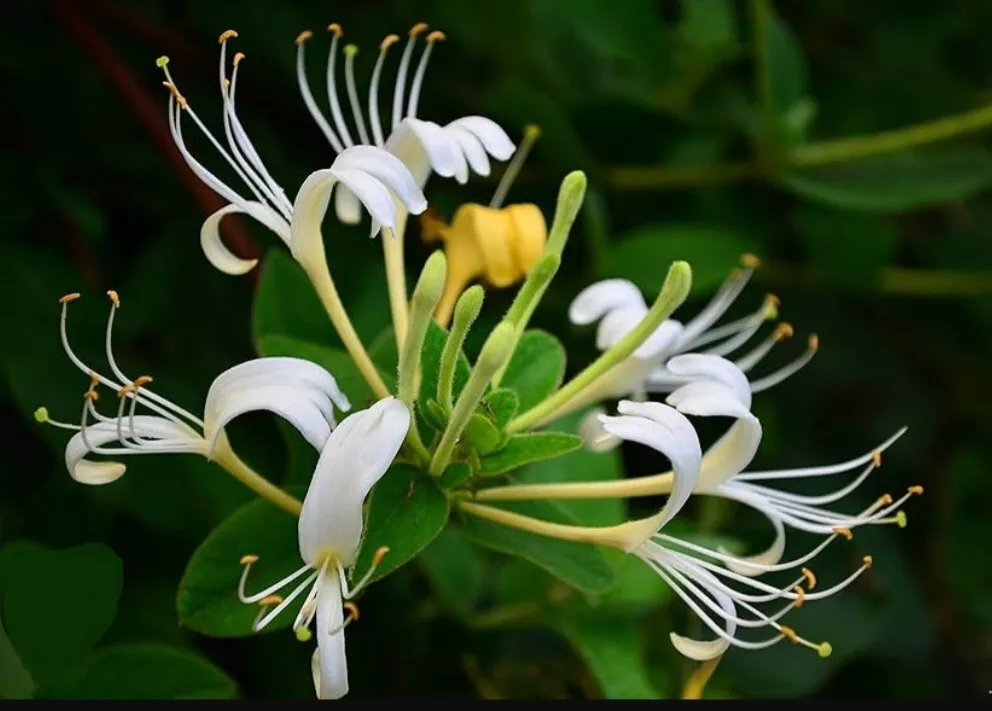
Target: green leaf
<point x="536" y="368"/>
<point x="454" y="475"/>
<point x="580" y="565"/>
<point x="15" y="681"/>
<point x="208" y="602"/>
<point x="502" y="404"/>
<point x="638" y="590"/>
<point x="898" y="181"/>
<point x="144" y="671"/>
<point x="850" y="248"/>
<point x="614" y="652"/>
<point x="454" y="568"/>
<point x="57" y="604"/>
<point x="784" y="62"/>
<point x="709" y="26"/>
<point x="644" y="254"/>
<point x="430" y="368"/>
<point x="481" y="434"/>
<point x="337" y="362"/>
<point x="406" y="511"/>
<point x="520" y="450"/>
<point x="285" y="303"/>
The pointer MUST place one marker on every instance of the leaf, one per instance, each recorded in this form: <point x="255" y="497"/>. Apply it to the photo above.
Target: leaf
<point x="57" y="604"/>
<point x="580" y="565"/>
<point x="406" y="511"/>
<point x="286" y="304"/>
<point x="852" y="248"/>
<point x="207" y="601"/>
<point x="502" y="404"/>
<point x="520" y="450"/>
<point x="536" y="368"/>
<point x="480" y="434"/>
<point x="15" y="681"/>
<point x="337" y="362"/>
<point x="144" y="671"/>
<point x="430" y="368"/>
<point x="614" y="652"/>
<point x="784" y="62"/>
<point x="455" y="570"/>
<point x="454" y="475"/>
<point x="644" y="254"/>
<point x="898" y="181"/>
<point x="709" y="25"/>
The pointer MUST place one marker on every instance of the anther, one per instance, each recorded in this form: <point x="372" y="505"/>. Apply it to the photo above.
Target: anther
<point x="249" y="559"/>
<point x="91" y="395"/>
<point x="161" y="62"/>
<point x="789" y="634"/>
<point x="303" y="36"/>
<point x="884" y="500"/>
<point x="352" y="608"/>
<point x="126" y="390"/>
<point x="238" y="57"/>
<point x="270" y="600"/>
<point x="916" y="489"/>
<point x="418" y="29"/>
<point x="436" y="36"/>
<point x="810" y="578"/>
<point x="843" y="531"/>
<point x="868" y="560"/>
<point x="94" y="380"/>
<point x="380" y="553"/>
<point x="69" y="297"/>
<point x="388" y="41"/>
<point x="142" y="380"/>
<point x="226" y="35"/>
<point x="335" y="29"/>
<point x="876" y="458"/>
<point x="41" y="414"/>
<point x="114" y="298"/>
<point x="749" y="261"/>
<point x="814" y="341"/>
<point x="782" y="332"/>
<point x="800" y="596"/>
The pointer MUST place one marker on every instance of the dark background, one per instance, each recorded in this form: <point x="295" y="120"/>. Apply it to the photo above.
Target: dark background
<point x="887" y="258"/>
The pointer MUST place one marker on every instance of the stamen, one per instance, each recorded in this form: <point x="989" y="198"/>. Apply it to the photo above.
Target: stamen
<point x="332" y="89"/>
<point x="249" y="560"/>
<point x="352" y="608"/>
<point x="386" y="43"/>
<point x="750" y="261"/>
<point x="226" y="35"/>
<point x="531" y="133"/>
<point x="114" y="298"/>
<point x="278" y="609"/>
<point x="800" y="596"/>
<point x="69" y="298"/>
<point x="418" y="78"/>
<point x="810" y="578"/>
<point x="400" y="87"/>
<point x="718" y="305"/>
<point x="301" y="79"/>
<point x="304" y="36"/>
<point x="843" y="531"/>
<point x="778" y="376"/>
<point x="916" y="489"/>
<point x="347" y="593"/>
<point x="270" y="600"/>
<point x="349" y="77"/>
<point x="868" y="561"/>
<point x="789" y="634"/>
<point x="782" y="332"/>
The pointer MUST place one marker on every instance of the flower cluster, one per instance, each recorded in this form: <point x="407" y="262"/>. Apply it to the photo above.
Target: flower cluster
<point x="381" y="168"/>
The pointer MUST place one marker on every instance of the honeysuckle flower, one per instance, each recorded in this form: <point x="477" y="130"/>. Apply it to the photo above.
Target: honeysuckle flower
<point x="618" y="306"/>
<point x="300" y="391"/>
<point x="371" y="176"/>
<point x="356" y="455"/>
<point x="423" y="146"/>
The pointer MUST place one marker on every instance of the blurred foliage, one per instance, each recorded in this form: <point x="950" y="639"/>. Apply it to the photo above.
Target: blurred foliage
<point x="815" y="135"/>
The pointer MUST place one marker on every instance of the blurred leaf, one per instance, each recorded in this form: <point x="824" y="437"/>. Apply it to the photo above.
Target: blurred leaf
<point x="57" y="604"/>
<point x="286" y="304"/>
<point x="536" y="368"/>
<point x="581" y="566"/>
<point x="15" y="681"/>
<point x="520" y="450"/>
<point x="502" y="404"/>
<point x="638" y="590"/>
<point x="614" y="651"/>
<point x="208" y="602"/>
<point x="144" y="671"/>
<point x="455" y="570"/>
<point x="852" y="248"/>
<point x="898" y="181"/>
<point x="454" y="475"/>
<point x="406" y="511"/>
<point x="784" y="62"/>
<point x="644" y="255"/>
<point x="481" y="434"/>
<point x="708" y="25"/>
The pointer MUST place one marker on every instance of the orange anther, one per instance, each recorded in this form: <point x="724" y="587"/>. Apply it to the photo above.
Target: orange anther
<point x="303" y="36"/>
<point x="226" y="35"/>
<point x="352" y="608"/>
<point x="249" y="559"/>
<point x="843" y="531"/>
<point x="69" y="297"/>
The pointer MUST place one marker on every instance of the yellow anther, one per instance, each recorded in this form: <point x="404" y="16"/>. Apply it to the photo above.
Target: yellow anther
<point x="303" y="36"/>
<point x="418" y="28"/>
<point x="814" y="342"/>
<point x="114" y="298"/>
<point x="782" y="332"/>
<point x="91" y="395"/>
<point x="901" y="520"/>
<point x="249" y="559"/>
<point x="436" y="36"/>
<point x="789" y="634"/>
<point x="352" y="608"/>
<point x="94" y="379"/>
<point x="800" y="596"/>
<point x="226" y="35"/>
<point x="303" y="634"/>
<point x="868" y="560"/>
<point x="161" y="62"/>
<point x="350" y="50"/>
<point x="824" y="650"/>
<point x="876" y="458"/>
<point x="884" y="500"/>
<point x="843" y="531"/>
<point x="771" y="306"/>
<point x="380" y="553"/>
<point x="69" y="297"/>
<point x="388" y="41"/>
<point x="238" y="57"/>
<point x="916" y="489"/>
<point x="142" y="380"/>
<point x="270" y="600"/>
<point x="749" y="261"/>
<point x="335" y="29"/>
<point x="810" y="578"/>
<point x="772" y="300"/>
<point x="125" y="390"/>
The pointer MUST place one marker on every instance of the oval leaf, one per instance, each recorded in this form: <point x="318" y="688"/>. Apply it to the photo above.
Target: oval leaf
<point x="285" y="303"/>
<point x="524" y="449"/>
<point x="536" y="368"/>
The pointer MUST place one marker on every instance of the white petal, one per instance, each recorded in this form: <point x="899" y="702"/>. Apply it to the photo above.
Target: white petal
<point x="423" y="146"/>
<point x="387" y="169"/>
<point x="346" y="206"/>
<point x="293" y="404"/>
<point x="472" y="148"/>
<point x="730" y="454"/>
<point x="597" y="299"/>
<point x="489" y="133"/>
<point x="280" y="370"/>
<point x="594" y="437"/>
<point x="698" y="365"/>
<point x="331" y="673"/>
<point x="216" y="251"/>
<point x="706" y="398"/>
<point x="617" y="323"/>
<point x="355" y="457"/>
<point x="372" y="194"/>
<point x="659" y="341"/>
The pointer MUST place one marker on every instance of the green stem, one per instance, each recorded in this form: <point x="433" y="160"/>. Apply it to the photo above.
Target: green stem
<point x="466" y="311"/>
<point x="673" y="293"/>
<point x="226" y="458"/>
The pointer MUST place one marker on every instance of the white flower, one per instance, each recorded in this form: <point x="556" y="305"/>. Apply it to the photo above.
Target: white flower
<point x="371" y="176"/>
<point x="726" y="601"/>
<point x="423" y="146"/>
<point x="618" y="306"/>
<point x="300" y="391"/>
<point x="355" y="456"/>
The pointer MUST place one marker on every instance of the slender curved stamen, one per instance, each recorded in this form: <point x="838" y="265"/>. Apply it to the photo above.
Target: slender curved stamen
<point x="718" y="305"/>
<point x="332" y="88"/>
<point x="782" y="332"/>
<point x="249" y="560"/>
<point x="400" y="88"/>
<point x="768" y="310"/>
<point x="349" y="79"/>
<point x="418" y="77"/>
<point x="823" y="470"/>
<point x="376" y="126"/>
<point x="263" y="606"/>
<point x="348" y="593"/>
<point x="779" y="375"/>
<point x="811" y="500"/>
<point x="275" y="612"/>
<point x="311" y="103"/>
<point x="531" y="133"/>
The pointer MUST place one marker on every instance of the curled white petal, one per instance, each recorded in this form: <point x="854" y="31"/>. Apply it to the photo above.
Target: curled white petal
<point x="489" y="133"/>
<point x="423" y="146"/>
<point x="216" y="251"/>
<point x="346" y="206"/>
<point x="472" y="148"/>
<point x="593" y="302"/>
<point x="698" y="365"/>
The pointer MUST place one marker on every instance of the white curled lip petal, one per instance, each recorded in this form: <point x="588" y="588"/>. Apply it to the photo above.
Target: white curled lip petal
<point x="704" y="650"/>
<point x="279" y="370"/>
<point x="489" y="133"/>
<point x="617" y="323"/>
<point x="329" y="664"/>
<point x="214" y="248"/>
<point x="596" y="300"/>
<point x="472" y="148"/>
<point x="347" y="207"/>
<point x="706" y="398"/>
<point x="699" y="365"/>
<point x="661" y="340"/>
<point x="372" y="194"/>
<point x="387" y="169"/>
<point x="443" y="153"/>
